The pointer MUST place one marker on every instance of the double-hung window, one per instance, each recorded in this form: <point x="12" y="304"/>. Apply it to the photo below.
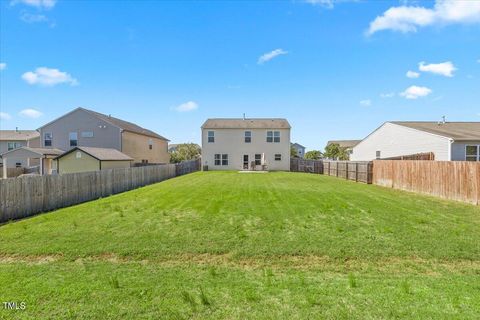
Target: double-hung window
<point x="472" y="153"/>
<point x="47" y="139"/>
<point x="224" y="159"/>
<point x="258" y="159"/>
<point x="211" y="136"/>
<point x="278" y="157"/>
<point x="218" y="159"/>
<point x="273" y="136"/>
<point x="248" y="136"/>
<point x="13" y="145"/>
<point x="73" y="137"/>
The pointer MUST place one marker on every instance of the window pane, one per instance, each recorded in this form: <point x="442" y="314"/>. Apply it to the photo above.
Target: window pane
<point x="276" y="139"/>
<point x="269" y="133"/>
<point x="224" y="159"/>
<point x="276" y="133"/>
<point x="471" y="158"/>
<point x="472" y="150"/>
<point x="248" y="133"/>
<point x="278" y="157"/>
<point x="258" y="159"/>
<point x="211" y="133"/>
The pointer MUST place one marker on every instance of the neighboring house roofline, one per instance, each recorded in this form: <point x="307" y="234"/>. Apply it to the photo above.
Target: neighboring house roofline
<point x="297" y="144"/>
<point x="206" y="124"/>
<point x="93" y="156"/>
<point x="40" y="151"/>
<point x="105" y="118"/>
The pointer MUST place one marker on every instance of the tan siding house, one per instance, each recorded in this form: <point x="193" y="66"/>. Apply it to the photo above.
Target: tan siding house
<point x="84" y="159"/>
<point x="246" y="144"/>
<point x="12" y="139"/>
<point x="144" y="148"/>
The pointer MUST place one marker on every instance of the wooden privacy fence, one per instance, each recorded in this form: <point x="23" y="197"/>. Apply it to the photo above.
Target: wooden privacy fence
<point x="455" y="180"/>
<point x="359" y="171"/>
<point x="26" y="196"/>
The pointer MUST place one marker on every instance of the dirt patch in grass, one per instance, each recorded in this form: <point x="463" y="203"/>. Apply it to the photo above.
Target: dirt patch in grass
<point x="390" y="265"/>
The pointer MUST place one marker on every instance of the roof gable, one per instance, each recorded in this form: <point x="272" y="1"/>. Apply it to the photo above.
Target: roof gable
<point x="102" y="154"/>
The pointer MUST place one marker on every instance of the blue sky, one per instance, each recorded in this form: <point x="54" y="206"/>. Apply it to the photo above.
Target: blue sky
<point x="334" y="69"/>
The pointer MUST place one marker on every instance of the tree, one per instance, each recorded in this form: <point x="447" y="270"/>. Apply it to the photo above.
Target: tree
<point x="313" y="155"/>
<point x="293" y="152"/>
<point x="185" y="151"/>
<point x="334" y="151"/>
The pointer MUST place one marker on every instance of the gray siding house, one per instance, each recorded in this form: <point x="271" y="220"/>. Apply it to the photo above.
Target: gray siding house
<point x="13" y="139"/>
<point x="299" y="150"/>
<point x="456" y="141"/>
<point x="87" y="128"/>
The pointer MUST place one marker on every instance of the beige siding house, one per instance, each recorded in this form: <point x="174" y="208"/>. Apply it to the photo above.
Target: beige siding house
<point x="246" y="144"/>
<point x="457" y="141"/>
<point x="84" y="159"/>
<point x="12" y="139"/>
<point x="87" y="128"/>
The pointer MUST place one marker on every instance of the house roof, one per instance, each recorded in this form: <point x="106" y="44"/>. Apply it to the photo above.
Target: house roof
<point x="122" y="124"/>
<point x="297" y="145"/>
<point x="102" y="154"/>
<point x="232" y="123"/>
<point x="16" y="135"/>
<point x="459" y="131"/>
<point x="344" y="143"/>
<point x="37" y="151"/>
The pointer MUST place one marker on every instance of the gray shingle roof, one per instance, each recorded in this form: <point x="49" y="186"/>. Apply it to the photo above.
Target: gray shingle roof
<point x="266" y="123"/>
<point x="125" y="125"/>
<point x="103" y="153"/>
<point x="345" y="143"/>
<point x="459" y="131"/>
<point x="22" y="135"/>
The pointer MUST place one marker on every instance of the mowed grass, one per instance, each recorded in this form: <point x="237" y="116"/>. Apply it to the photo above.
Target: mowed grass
<point x="224" y="245"/>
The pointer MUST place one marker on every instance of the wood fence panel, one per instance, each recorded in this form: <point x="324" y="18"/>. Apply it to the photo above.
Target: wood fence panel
<point x="454" y="180"/>
<point x="29" y="195"/>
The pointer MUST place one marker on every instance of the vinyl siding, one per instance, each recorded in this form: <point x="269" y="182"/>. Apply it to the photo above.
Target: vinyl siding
<point x="33" y="143"/>
<point x="136" y="146"/>
<point x="71" y="164"/>
<point x="231" y="142"/>
<point x="393" y="140"/>
<point x="105" y="135"/>
<point x="458" y="149"/>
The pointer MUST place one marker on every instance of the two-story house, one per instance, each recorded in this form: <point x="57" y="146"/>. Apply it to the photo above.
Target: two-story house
<point x="87" y="128"/>
<point x="13" y="139"/>
<point x="245" y="144"/>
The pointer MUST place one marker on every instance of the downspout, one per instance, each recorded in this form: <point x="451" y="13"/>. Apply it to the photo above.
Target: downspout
<point x="451" y="141"/>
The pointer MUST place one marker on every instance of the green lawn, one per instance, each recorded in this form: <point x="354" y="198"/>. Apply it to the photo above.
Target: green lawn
<point x="224" y="245"/>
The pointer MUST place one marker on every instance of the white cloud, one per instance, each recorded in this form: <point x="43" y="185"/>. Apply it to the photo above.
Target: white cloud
<point x="478" y="60"/>
<point x="33" y="18"/>
<point x="41" y="4"/>
<point x="270" y="55"/>
<point x="415" y="92"/>
<point x="30" y="113"/>
<point x="3" y="66"/>
<point x="445" y="68"/>
<point x="387" y="95"/>
<point x="48" y="77"/>
<point x="324" y="3"/>
<point x="187" y="106"/>
<point x="410" y="18"/>
<point x="412" y="74"/>
<point x="5" y="116"/>
<point x="366" y="102"/>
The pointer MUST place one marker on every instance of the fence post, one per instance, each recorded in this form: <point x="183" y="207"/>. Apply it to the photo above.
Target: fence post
<point x="356" y="171"/>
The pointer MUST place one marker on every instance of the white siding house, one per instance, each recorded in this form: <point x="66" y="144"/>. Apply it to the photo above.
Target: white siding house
<point x="447" y="140"/>
<point x="233" y="144"/>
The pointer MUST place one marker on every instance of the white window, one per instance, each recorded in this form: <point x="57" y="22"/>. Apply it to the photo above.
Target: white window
<point x="278" y="157"/>
<point x="78" y="155"/>
<point x="273" y="136"/>
<point x="224" y="159"/>
<point x="211" y="136"/>
<point x="73" y="137"/>
<point x="150" y="144"/>
<point x="217" y="161"/>
<point x="47" y="139"/>
<point x="378" y="154"/>
<point x="472" y="153"/>
<point x="87" y="134"/>
<point x="248" y="136"/>
<point x="18" y="164"/>
<point x="13" y="145"/>
<point x="258" y="159"/>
